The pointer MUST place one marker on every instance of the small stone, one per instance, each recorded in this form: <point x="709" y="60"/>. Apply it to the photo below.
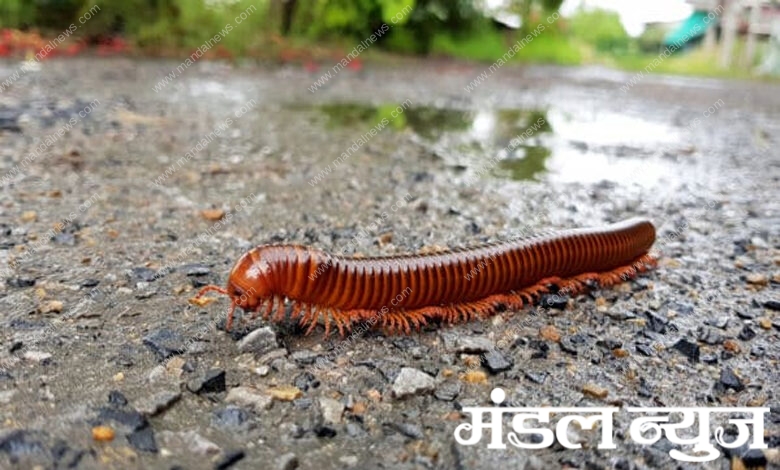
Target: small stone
<point x="103" y="433"/>
<point x="349" y="460"/>
<point x="230" y="458"/>
<point x="285" y="393"/>
<point x="710" y="336"/>
<point x="331" y="410"/>
<point x="757" y="279"/>
<point x="550" y="333"/>
<point x="620" y="353"/>
<point x="689" y="349"/>
<point x="231" y="417"/>
<point x="212" y="214"/>
<point x="472" y="345"/>
<point x="496" y="362"/>
<point x="37" y="356"/>
<point x="165" y="343"/>
<point x="765" y="323"/>
<point x="595" y="391"/>
<point x="644" y="349"/>
<point x="117" y="398"/>
<point x="19" y="282"/>
<point x="29" y="216"/>
<point x="288" y="461"/>
<point x="213" y="381"/>
<point x="191" y="440"/>
<point x="447" y="391"/>
<point x="143" y="439"/>
<point x="732" y="346"/>
<point x="556" y="301"/>
<point x="128" y="418"/>
<point x="730" y="380"/>
<point x="249" y="397"/>
<point x="475" y="377"/>
<point x="536" y="377"/>
<point x="143" y="274"/>
<point x="720" y="322"/>
<point x="411" y="382"/>
<point x="195" y="269"/>
<point x="413" y="431"/>
<point x="259" y="341"/>
<point x="52" y="306"/>
<point x="772" y="305"/>
<point x="158" y="403"/>
<point x="746" y="334"/>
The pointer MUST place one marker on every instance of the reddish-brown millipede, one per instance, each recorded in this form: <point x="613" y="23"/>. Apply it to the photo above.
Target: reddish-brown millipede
<point x="401" y="292"/>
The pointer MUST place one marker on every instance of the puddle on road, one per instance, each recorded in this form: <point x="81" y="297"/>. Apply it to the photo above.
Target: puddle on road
<point x="586" y="146"/>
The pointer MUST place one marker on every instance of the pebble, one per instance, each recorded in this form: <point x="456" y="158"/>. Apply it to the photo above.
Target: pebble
<point x="212" y="214"/>
<point x="728" y="379"/>
<point x="195" y="269"/>
<point x="249" y="397"/>
<point x="52" y="306"/>
<point x="143" y="439"/>
<point x="475" y="377"/>
<point x="747" y="333"/>
<point x="229" y="459"/>
<point x="757" y="279"/>
<point x="230" y="417"/>
<point x="157" y="403"/>
<point x="447" y="391"/>
<point x="496" y="362"/>
<point x="472" y="344"/>
<point x="143" y="275"/>
<point x="550" y="333"/>
<point x="165" y="343"/>
<point x="288" y="461"/>
<point x="689" y="349"/>
<point x="212" y="381"/>
<point x="410" y="382"/>
<point x="709" y="336"/>
<point x="191" y="440"/>
<point x="19" y="282"/>
<point x="103" y="433"/>
<point x="285" y="393"/>
<point x="772" y="305"/>
<point x="332" y="410"/>
<point x="349" y="460"/>
<point x="732" y="346"/>
<point x="765" y="323"/>
<point x="259" y="341"/>
<point x="595" y="391"/>
<point x="37" y="356"/>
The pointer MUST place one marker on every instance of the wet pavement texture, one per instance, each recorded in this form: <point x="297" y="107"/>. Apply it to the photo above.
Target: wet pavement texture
<point x="126" y="210"/>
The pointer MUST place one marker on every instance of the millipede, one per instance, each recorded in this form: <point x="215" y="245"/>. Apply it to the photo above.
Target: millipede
<point x="401" y="293"/>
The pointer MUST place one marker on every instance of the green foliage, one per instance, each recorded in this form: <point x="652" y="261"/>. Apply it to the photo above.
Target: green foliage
<point x="487" y="45"/>
<point x="602" y="29"/>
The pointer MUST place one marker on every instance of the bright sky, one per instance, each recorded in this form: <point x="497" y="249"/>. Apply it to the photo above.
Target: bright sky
<point x="635" y="13"/>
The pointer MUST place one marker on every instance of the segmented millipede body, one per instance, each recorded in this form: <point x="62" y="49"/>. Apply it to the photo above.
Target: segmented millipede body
<point x="402" y="292"/>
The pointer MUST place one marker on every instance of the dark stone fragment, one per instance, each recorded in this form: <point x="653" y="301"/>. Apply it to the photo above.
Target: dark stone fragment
<point x="87" y="283"/>
<point x="143" y="274"/>
<point x="745" y="315"/>
<point x="229" y="459"/>
<point x="728" y="379"/>
<point x="306" y="380"/>
<point x="325" y="431"/>
<point x="655" y="322"/>
<point x="195" y="269"/>
<point x="609" y="344"/>
<point x="9" y="120"/>
<point x="689" y="349"/>
<point x="302" y="403"/>
<point x="356" y="430"/>
<point x="684" y="308"/>
<point x="129" y="418"/>
<point x="66" y="457"/>
<point x="143" y="439"/>
<point x="19" y="282"/>
<point x="496" y="362"/>
<point x="116" y="398"/>
<point x="165" y="343"/>
<point x="709" y="359"/>
<point x="303" y="356"/>
<point x="21" y="443"/>
<point x="15" y="346"/>
<point x="231" y="417"/>
<point x="541" y="349"/>
<point x="555" y="301"/>
<point x="213" y="381"/>
<point x="754" y="458"/>
<point x="772" y="305"/>
<point x="747" y="333"/>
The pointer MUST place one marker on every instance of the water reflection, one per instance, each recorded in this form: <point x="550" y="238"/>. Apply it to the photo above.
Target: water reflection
<point x="530" y="144"/>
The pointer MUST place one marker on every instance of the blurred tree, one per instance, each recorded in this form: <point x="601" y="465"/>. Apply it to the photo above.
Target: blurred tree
<point x="602" y="29"/>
